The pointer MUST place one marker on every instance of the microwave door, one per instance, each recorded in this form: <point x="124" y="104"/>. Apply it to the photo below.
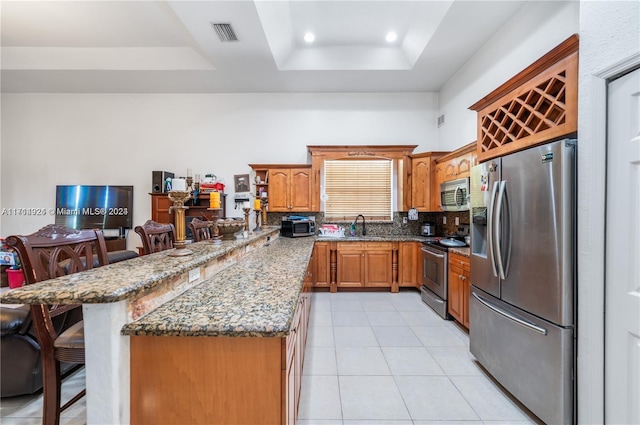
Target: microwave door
<point x="484" y="190"/>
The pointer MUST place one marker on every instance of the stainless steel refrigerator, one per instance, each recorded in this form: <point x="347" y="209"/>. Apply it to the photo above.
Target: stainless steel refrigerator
<point x="523" y="296"/>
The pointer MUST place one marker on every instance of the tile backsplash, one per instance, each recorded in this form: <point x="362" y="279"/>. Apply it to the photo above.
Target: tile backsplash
<point x="396" y="227"/>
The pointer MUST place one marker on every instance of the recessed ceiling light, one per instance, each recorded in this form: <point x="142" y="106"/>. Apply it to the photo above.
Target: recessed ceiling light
<point x="309" y="37"/>
<point x="391" y="37"/>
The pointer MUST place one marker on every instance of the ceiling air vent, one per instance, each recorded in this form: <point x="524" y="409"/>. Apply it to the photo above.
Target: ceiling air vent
<point x="225" y="32"/>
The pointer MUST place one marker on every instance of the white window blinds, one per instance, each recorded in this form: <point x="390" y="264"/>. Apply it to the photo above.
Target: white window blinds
<point x="355" y="187"/>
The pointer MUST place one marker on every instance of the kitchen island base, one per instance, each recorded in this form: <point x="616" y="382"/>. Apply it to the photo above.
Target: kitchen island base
<point x="206" y="380"/>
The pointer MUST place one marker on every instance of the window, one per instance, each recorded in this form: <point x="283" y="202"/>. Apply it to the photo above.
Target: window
<point x="353" y="187"/>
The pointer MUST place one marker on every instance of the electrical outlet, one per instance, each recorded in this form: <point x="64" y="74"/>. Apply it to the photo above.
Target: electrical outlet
<point x="194" y="274"/>
<point x="404" y="220"/>
<point x="457" y="221"/>
<point x="444" y="219"/>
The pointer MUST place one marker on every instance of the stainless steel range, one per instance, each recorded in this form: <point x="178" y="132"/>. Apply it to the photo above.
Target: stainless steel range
<point x="435" y="277"/>
<point x="435" y="271"/>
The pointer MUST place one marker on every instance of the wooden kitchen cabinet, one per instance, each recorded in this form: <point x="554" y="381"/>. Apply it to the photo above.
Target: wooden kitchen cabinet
<point x="350" y="265"/>
<point x="321" y="266"/>
<point x="288" y="187"/>
<point x="410" y="264"/>
<point x="220" y="380"/>
<point x="459" y="288"/>
<point x="423" y="174"/>
<point x="295" y="349"/>
<point x="364" y="264"/>
<point x="537" y="105"/>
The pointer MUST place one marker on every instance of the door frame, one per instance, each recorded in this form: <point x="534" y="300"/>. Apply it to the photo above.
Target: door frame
<point x="591" y="242"/>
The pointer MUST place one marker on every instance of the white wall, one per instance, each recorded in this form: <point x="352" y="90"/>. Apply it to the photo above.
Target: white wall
<point x="609" y="43"/>
<point x="535" y="30"/>
<point x="51" y="139"/>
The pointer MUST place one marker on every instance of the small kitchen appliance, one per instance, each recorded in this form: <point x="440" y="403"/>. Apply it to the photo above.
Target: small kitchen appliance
<point x="297" y="226"/>
<point x="454" y="195"/>
<point x="428" y="229"/>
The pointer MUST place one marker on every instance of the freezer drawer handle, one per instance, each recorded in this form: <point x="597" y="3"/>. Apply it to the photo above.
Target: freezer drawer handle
<point x="519" y="321"/>
<point x="432" y="297"/>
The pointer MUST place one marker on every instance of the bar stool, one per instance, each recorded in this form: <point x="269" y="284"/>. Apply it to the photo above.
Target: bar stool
<point x="156" y="237"/>
<point x="51" y="252"/>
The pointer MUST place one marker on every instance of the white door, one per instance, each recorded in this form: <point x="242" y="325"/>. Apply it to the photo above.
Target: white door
<point x="622" y="316"/>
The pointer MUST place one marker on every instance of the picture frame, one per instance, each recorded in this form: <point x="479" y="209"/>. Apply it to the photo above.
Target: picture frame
<point x="241" y="183"/>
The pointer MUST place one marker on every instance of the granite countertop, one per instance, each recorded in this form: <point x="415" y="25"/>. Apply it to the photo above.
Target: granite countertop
<point x="126" y="279"/>
<point x="464" y="251"/>
<point x="255" y="297"/>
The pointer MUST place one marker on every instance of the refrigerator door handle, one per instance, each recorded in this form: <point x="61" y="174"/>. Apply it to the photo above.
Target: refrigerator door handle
<point x="492" y="203"/>
<point x="510" y="316"/>
<point x="498" y="226"/>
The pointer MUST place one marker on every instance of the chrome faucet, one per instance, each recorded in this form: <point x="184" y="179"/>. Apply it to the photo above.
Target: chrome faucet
<point x="364" y="224"/>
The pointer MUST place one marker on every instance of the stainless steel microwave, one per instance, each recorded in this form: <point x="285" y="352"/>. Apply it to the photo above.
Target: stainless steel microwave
<point x="454" y="195"/>
<point x="296" y="227"/>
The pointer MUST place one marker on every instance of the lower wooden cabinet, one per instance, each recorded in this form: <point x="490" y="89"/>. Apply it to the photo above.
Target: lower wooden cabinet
<point x="459" y="288"/>
<point x="410" y="264"/>
<point x="364" y="264"/>
<point x="219" y="380"/>
<point x="360" y="264"/>
<point x="295" y="349"/>
<point x="320" y="265"/>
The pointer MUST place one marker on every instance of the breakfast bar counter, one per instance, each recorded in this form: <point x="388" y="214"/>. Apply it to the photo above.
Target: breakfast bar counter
<point x="210" y="292"/>
<point x="255" y="297"/>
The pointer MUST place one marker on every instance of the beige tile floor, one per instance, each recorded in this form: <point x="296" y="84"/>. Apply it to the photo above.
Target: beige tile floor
<point x="371" y="358"/>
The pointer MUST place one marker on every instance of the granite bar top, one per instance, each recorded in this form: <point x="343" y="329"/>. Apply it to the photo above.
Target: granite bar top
<point x="127" y="279"/>
<point x="256" y="297"/>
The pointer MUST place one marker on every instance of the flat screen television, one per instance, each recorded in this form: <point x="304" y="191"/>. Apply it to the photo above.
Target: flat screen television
<point x="94" y="207"/>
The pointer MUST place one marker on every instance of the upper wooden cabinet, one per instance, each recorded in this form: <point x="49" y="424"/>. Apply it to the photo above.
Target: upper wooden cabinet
<point x="423" y="168"/>
<point x="288" y="186"/>
<point x="537" y="105"/>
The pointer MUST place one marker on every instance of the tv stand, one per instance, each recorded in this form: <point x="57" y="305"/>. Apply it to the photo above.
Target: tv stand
<point x="115" y="244"/>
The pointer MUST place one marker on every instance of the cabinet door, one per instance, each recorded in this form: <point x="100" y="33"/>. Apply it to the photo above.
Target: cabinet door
<point x="456" y="292"/>
<point x="450" y="169"/>
<point x="160" y="205"/>
<point x="435" y="189"/>
<point x="300" y="189"/>
<point x="278" y="190"/>
<point x="464" y="166"/>
<point x="466" y="283"/>
<point x="420" y="183"/>
<point x="409" y="264"/>
<point x="378" y="268"/>
<point x="321" y="271"/>
<point x="350" y="268"/>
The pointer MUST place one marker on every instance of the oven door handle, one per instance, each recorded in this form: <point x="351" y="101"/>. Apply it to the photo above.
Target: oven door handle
<point x="432" y="253"/>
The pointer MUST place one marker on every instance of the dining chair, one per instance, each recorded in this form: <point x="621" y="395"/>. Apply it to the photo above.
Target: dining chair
<point x="51" y="252"/>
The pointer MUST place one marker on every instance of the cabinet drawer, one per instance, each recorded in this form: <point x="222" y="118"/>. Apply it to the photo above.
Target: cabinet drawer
<point x="350" y="246"/>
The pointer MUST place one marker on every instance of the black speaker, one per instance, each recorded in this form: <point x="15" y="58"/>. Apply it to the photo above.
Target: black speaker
<point x="158" y="181"/>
